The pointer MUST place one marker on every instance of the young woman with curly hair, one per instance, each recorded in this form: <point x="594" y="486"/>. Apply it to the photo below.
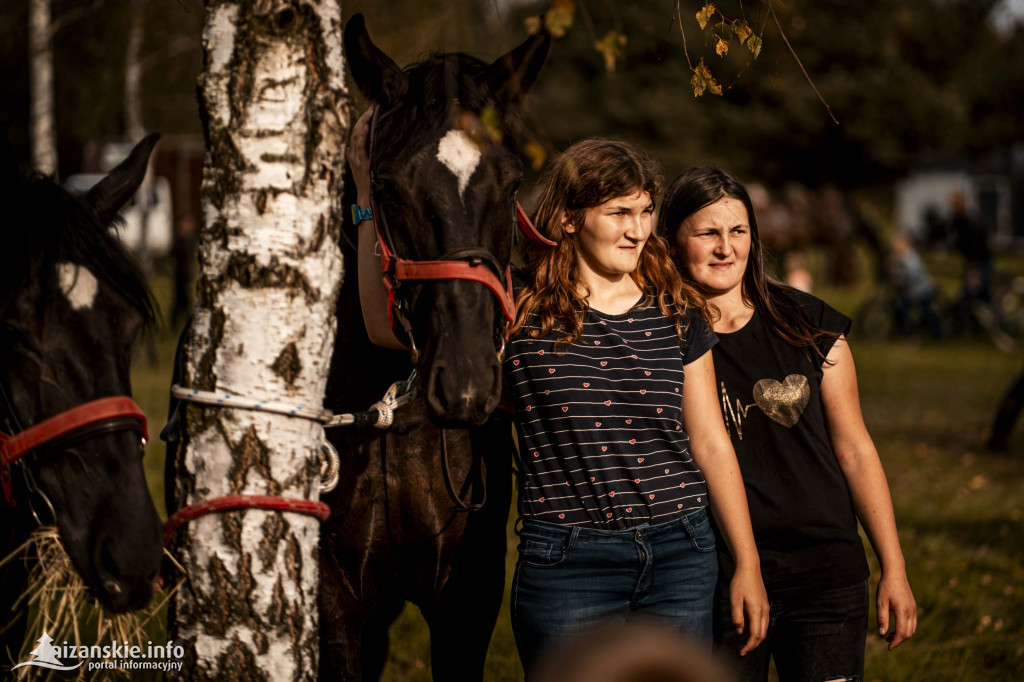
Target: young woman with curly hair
<point x="619" y="463"/>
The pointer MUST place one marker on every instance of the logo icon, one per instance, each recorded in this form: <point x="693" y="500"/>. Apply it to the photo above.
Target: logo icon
<point x="46" y="656"/>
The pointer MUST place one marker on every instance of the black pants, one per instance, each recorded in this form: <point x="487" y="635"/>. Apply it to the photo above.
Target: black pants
<point x="812" y="637"/>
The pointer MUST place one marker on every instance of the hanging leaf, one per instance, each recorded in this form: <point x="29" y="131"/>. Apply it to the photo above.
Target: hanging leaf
<point x="704" y="16"/>
<point x="703" y="80"/>
<point x="721" y="47"/>
<point x="754" y="45"/>
<point x="724" y="30"/>
<point x="742" y="30"/>
<point x="559" y="18"/>
<point x="537" y="154"/>
<point x="613" y="47"/>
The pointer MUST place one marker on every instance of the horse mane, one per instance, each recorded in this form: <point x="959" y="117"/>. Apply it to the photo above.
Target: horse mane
<point x="451" y="73"/>
<point x="47" y="225"/>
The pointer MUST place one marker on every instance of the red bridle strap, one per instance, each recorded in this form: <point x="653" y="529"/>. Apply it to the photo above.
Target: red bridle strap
<point x="13" y="447"/>
<point x="528" y="229"/>
<point x="406" y="270"/>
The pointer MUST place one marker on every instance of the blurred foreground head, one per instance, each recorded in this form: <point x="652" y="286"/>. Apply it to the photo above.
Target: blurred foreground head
<point x="630" y="652"/>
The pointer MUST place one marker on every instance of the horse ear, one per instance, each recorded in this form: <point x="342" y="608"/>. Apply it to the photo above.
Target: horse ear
<point x="109" y="194"/>
<point x="512" y="74"/>
<point x="377" y="76"/>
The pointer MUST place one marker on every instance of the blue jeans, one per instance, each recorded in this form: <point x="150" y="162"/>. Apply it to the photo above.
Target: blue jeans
<point x="812" y="637"/>
<point x="569" y="579"/>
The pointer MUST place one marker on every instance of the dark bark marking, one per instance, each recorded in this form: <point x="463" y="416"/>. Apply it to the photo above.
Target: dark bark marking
<point x="287" y="366"/>
<point x="274" y="528"/>
<point x="238" y="664"/>
<point x="244" y="269"/>
<point x="247" y="455"/>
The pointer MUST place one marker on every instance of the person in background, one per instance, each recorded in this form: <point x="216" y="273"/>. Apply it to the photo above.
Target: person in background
<point x="788" y="391"/>
<point x="797" y="274"/>
<point x="972" y="241"/>
<point x="914" y="288"/>
<point x="619" y="463"/>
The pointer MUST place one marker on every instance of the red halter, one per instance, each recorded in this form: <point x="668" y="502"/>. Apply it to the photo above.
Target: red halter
<point x="472" y="265"/>
<point x="12" y="447"/>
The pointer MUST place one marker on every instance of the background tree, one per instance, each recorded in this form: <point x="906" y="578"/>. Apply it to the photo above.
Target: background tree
<point x="273" y="103"/>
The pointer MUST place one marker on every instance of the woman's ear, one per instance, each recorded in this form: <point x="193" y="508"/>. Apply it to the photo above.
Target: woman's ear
<point x="567" y="225"/>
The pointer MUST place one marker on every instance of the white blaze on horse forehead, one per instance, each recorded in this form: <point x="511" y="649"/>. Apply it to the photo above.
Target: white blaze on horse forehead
<point x="459" y="154"/>
<point x="78" y="284"/>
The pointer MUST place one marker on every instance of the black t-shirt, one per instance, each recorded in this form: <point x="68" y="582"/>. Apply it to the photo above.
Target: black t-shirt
<point x="599" y="423"/>
<point x="800" y="507"/>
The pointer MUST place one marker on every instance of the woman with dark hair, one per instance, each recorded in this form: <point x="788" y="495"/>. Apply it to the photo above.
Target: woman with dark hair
<point x="788" y="390"/>
<point x="619" y="463"/>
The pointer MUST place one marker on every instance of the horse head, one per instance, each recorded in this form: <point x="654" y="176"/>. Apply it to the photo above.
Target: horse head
<point x="445" y="179"/>
<point x="71" y="304"/>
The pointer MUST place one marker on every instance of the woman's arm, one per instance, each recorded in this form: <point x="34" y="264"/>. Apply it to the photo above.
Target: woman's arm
<point x="373" y="297"/>
<point x="869" y="490"/>
<point x="713" y="452"/>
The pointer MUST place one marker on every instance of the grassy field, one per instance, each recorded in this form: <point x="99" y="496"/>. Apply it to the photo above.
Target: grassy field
<point x="959" y="509"/>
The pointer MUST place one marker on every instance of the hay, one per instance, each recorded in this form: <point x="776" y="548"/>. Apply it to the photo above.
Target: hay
<point x="60" y="603"/>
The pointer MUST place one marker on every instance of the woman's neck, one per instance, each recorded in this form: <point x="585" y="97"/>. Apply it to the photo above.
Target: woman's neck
<point x="612" y="297"/>
<point x="734" y="312"/>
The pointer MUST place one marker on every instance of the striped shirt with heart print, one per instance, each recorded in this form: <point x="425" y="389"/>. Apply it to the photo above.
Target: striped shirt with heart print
<point x="599" y="422"/>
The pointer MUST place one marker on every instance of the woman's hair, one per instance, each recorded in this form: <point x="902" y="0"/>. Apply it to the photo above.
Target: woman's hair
<point x="586" y="175"/>
<point x="703" y="186"/>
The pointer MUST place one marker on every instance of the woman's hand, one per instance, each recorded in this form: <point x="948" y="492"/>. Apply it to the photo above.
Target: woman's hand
<point x="358" y="156"/>
<point x="749" y="603"/>
<point x="894" y="595"/>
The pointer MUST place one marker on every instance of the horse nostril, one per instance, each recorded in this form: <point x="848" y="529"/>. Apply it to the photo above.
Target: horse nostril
<point x="112" y="587"/>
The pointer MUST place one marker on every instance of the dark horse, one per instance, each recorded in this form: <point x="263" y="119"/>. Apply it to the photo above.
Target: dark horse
<point x="72" y="301"/>
<point x="394" y="534"/>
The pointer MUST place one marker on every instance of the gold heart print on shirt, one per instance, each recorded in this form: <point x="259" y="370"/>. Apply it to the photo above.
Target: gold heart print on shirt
<point x="785" y="402"/>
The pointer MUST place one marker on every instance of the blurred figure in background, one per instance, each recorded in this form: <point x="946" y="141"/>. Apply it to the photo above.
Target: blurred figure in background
<point x="915" y="289"/>
<point x="973" y="244"/>
<point x="630" y="652"/>
<point x="797" y="274"/>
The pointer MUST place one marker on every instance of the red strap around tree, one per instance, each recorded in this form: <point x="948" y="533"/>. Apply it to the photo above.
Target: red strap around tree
<point x="234" y="502"/>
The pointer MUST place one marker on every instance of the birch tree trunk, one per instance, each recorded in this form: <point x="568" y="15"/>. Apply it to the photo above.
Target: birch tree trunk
<point x="273" y="105"/>
<point x="41" y="107"/>
<point x="133" y="124"/>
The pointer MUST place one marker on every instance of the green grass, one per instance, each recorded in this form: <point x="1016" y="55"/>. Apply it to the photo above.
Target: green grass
<point x="959" y="509"/>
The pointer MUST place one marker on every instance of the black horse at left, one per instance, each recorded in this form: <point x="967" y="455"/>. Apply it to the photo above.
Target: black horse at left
<point x="72" y="302"/>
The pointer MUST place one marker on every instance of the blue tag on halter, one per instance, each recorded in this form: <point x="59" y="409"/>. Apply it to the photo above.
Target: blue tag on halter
<point x="360" y="214"/>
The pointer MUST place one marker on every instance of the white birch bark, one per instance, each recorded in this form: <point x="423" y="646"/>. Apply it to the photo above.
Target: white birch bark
<point x="41" y="105"/>
<point x="273" y="101"/>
